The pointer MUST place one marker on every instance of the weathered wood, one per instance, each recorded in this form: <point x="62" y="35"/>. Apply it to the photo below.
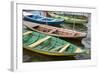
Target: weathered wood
<point x="52" y="50"/>
<point x="78" y="50"/>
<point x="64" y="48"/>
<point x="66" y="33"/>
<point x="39" y="42"/>
<point x="26" y="33"/>
<point x="29" y="23"/>
<point x="52" y="31"/>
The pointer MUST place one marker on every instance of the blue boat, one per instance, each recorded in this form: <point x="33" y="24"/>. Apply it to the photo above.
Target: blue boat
<point x="44" y="20"/>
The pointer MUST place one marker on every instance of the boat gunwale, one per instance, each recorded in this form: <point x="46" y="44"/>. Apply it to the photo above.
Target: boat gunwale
<point x="52" y="53"/>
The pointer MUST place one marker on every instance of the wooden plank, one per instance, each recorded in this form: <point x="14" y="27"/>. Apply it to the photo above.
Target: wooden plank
<point x="26" y="33"/>
<point x="29" y="23"/>
<point x="64" y="48"/>
<point x="39" y="42"/>
<point x="78" y="50"/>
<point x="52" y="50"/>
<point x="52" y="31"/>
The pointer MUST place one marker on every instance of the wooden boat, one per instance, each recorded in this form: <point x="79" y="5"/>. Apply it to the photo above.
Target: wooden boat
<point x="55" y="31"/>
<point x="44" y="20"/>
<point x="77" y="19"/>
<point x="48" y="45"/>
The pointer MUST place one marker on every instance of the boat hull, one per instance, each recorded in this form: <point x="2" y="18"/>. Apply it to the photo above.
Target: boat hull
<point x="51" y="54"/>
<point x="52" y="23"/>
<point x="68" y="19"/>
<point x="43" y="57"/>
<point x="54" y="31"/>
<point x="51" y="46"/>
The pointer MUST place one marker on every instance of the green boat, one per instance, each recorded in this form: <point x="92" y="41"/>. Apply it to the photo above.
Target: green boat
<point x="48" y="45"/>
<point x="77" y="19"/>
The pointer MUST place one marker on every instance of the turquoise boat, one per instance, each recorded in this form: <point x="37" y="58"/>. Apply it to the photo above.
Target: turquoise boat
<point x="44" y="20"/>
<point x="48" y="45"/>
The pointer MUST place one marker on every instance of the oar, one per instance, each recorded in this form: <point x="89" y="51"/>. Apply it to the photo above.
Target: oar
<point x="64" y="48"/>
<point x="39" y="42"/>
<point x="28" y="32"/>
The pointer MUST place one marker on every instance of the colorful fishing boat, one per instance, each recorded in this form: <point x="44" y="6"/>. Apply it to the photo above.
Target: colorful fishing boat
<point x="44" y="20"/>
<point x="69" y="18"/>
<point x="48" y="45"/>
<point x="55" y="31"/>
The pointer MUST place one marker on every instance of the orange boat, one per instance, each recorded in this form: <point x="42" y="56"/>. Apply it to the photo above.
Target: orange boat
<point x="55" y="31"/>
